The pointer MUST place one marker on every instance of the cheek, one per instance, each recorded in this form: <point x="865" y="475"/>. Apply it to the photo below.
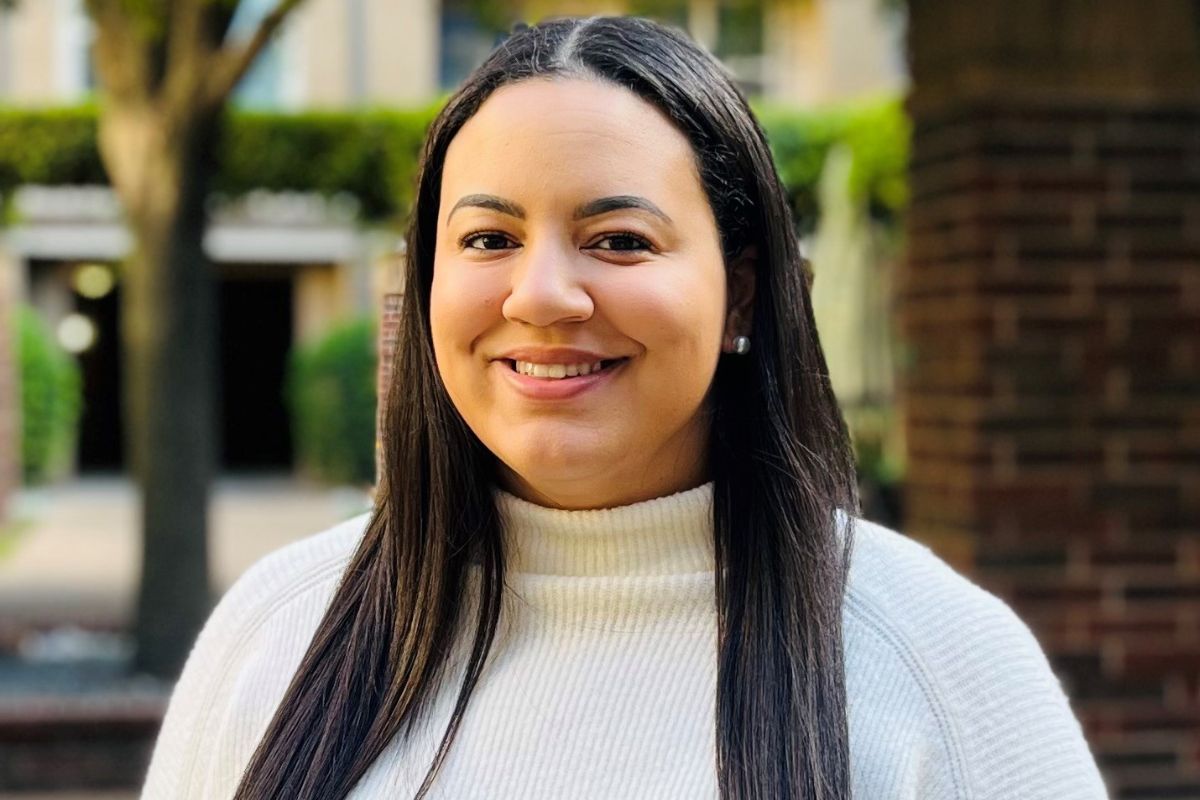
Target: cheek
<point x="458" y="318"/>
<point x="679" y="322"/>
<point x="461" y="309"/>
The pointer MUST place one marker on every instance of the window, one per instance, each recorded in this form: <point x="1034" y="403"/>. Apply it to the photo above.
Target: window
<point x="73" y="75"/>
<point x="466" y="42"/>
<point x="262" y="86"/>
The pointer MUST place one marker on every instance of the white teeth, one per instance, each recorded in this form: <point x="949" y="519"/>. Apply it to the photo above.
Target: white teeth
<point x="556" y="371"/>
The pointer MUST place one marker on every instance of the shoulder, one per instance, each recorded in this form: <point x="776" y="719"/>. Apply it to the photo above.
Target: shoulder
<point x="905" y="581"/>
<point x="263" y="624"/>
<point x="289" y="573"/>
<point x="242" y="660"/>
<point x="301" y="573"/>
<point x="994" y="716"/>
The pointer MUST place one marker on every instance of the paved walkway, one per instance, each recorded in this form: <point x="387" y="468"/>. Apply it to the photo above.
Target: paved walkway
<point x="79" y="556"/>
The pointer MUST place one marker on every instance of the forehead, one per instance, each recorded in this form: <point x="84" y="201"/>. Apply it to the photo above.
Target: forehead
<point x="570" y="136"/>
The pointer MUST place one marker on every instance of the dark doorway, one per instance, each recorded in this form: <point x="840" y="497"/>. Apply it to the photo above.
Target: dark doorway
<point x="255" y="336"/>
<point x="101" y="430"/>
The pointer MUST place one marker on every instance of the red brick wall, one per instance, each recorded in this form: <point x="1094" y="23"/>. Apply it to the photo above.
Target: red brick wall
<point x="1051" y="295"/>
<point x="389" y="294"/>
<point x="78" y="744"/>
<point x="389" y="326"/>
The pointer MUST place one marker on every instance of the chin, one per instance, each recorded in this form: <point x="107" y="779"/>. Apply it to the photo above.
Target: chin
<point x="551" y="460"/>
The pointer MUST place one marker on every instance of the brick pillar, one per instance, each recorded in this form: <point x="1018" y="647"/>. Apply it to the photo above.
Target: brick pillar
<point x="1051" y="295"/>
<point x="389" y="292"/>
<point x="10" y="431"/>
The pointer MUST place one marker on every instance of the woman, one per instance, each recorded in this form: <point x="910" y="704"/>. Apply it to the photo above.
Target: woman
<point x="610" y="554"/>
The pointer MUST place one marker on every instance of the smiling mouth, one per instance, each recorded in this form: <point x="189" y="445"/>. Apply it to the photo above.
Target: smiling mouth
<point x="605" y="366"/>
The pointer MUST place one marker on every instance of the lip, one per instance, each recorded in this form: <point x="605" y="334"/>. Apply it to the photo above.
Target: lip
<point x="557" y="388"/>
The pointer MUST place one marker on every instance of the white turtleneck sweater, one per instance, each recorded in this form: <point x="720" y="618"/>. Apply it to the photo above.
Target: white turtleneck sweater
<point x="602" y="683"/>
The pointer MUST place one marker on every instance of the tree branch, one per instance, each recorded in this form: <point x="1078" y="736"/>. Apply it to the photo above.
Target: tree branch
<point x="121" y="57"/>
<point x="190" y="48"/>
<point x="234" y="60"/>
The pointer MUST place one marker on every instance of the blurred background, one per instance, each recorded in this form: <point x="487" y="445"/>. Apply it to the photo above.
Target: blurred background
<point x="201" y="206"/>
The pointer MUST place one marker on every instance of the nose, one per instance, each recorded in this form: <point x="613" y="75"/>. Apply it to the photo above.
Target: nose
<point x="546" y="288"/>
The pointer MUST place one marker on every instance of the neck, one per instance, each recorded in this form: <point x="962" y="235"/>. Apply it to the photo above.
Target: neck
<point x="670" y="534"/>
<point x="599" y="495"/>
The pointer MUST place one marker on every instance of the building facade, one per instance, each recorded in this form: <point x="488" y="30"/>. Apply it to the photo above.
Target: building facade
<point x="290" y="267"/>
<point x="353" y="53"/>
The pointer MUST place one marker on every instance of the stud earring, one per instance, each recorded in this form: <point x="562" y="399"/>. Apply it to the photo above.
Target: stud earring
<point x="741" y="345"/>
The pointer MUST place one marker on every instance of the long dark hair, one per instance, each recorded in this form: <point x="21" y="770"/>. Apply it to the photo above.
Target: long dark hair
<point x="780" y="460"/>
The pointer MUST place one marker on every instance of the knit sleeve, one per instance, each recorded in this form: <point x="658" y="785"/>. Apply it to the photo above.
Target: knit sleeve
<point x="241" y="663"/>
<point x="956" y="699"/>
<point x="1020" y="737"/>
<point x="179" y="760"/>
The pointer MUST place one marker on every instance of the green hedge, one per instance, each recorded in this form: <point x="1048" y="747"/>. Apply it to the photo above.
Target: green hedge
<point x="53" y="146"/>
<point x="372" y="155"/>
<point x="330" y="392"/>
<point x="51" y="386"/>
<point x="877" y="133"/>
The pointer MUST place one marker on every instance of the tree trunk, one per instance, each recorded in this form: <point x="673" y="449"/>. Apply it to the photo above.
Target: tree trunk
<point x="168" y="328"/>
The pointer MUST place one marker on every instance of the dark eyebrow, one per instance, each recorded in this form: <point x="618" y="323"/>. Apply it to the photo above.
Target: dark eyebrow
<point x="488" y="201"/>
<point x="606" y="204"/>
<point x="590" y="209"/>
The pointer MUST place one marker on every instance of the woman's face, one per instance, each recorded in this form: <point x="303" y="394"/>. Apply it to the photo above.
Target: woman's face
<point x="573" y="230"/>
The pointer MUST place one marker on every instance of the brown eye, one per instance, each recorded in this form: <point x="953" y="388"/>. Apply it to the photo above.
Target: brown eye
<point x="488" y="238"/>
<point x="629" y="243"/>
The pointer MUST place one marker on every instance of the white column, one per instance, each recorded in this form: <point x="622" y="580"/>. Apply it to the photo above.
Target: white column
<point x="704" y="22"/>
<point x="401" y="50"/>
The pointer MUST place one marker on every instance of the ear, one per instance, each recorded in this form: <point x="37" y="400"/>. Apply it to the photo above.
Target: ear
<point x="739" y="309"/>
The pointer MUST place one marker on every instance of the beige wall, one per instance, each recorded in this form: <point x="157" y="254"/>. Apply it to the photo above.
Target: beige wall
<point x="864" y="50"/>
<point x="321" y="297"/>
<point x="322" y="52"/>
<point x="393" y="61"/>
<point x="346" y="53"/>
<point x="402" y="50"/>
<point x="390" y="57"/>
<point x="830" y="50"/>
<point x="28" y="56"/>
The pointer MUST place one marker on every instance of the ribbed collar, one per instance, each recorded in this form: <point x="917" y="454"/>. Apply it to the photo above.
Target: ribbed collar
<point x="670" y="535"/>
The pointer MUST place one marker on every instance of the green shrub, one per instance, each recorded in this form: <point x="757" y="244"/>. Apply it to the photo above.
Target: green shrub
<point x="877" y="133"/>
<point x="330" y="392"/>
<point x="51" y="399"/>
